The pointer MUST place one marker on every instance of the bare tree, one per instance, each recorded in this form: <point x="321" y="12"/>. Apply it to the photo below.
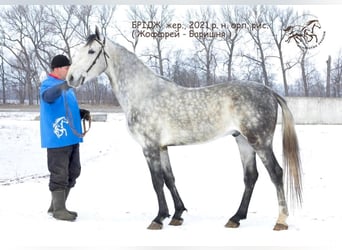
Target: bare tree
<point x="131" y="37"/>
<point x="184" y="71"/>
<point x="205" y="34"/>
<point x="303" y="71"/>
<point x="233" y="27"/>
<point x="32" y="35"/>
<point x="70" y="25"/>
<point x="3" y="79"/>
<point x="22" y="39"/>
<point x="310" y="76"/>
<point x="157" y="17"/>
<point x="336" y="76"/>
<point x="255" y="19"/>
<point x="84" y="14"/>
<point x="105" y="14"/>
<point x="278" y="20"/>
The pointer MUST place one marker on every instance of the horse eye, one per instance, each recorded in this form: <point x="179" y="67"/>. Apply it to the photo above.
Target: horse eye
<point x="91" y="51"/>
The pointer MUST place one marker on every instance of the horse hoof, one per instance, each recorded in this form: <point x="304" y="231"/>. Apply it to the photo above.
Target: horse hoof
<point x="176" y="222"/>
<point x="232" y="224"/>
<point x="280" y="227"/>
<point x="155" y="226"/>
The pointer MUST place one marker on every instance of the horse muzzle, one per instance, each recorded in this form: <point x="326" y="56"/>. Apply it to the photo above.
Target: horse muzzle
<point x="73" y="82"/>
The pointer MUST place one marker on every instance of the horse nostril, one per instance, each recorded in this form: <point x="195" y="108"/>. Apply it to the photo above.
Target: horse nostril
<point x="71" y="78"/>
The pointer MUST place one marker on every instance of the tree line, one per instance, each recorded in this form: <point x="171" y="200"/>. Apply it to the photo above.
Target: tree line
<point x="227" y="43"/>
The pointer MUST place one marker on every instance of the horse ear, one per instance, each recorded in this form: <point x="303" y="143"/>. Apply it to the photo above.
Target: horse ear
<point x="97" y="32"/>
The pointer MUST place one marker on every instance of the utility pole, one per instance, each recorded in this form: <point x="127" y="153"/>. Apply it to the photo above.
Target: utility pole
<point x="328" y="76"/>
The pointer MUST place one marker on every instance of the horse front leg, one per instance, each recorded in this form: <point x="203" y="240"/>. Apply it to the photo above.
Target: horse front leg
<point x="169" y="178"/>
<point x="152" y="155"/>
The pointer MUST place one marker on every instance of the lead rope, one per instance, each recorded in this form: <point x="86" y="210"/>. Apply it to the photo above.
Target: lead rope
<point x="68" y="116"/>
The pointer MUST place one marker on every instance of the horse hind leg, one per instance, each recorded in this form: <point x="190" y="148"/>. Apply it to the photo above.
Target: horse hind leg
<point x="247" y="154"/>
<point x="276" y="174"/>
<point x="169" y="179"/>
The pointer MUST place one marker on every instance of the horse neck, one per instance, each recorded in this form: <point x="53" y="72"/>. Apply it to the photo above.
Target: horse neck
<point x="131" y="79"/>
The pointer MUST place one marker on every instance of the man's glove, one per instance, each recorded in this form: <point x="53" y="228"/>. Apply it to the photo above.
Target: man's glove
<point x="64" y="86"/>
<point x="85" y="114"/>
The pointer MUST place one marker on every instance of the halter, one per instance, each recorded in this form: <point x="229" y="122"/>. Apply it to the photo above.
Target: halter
<point x="68" y="112"/>
<point x="98" y="54"/>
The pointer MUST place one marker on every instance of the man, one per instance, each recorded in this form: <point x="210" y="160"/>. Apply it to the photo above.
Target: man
<point x="61" y="133"/>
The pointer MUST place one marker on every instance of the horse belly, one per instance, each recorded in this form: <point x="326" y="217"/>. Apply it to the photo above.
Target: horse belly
<point x="196" y="132"/>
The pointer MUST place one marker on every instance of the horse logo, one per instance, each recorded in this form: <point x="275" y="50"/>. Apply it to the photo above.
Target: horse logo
<point x="306" y="36"/>
<point x="58" y="126"/>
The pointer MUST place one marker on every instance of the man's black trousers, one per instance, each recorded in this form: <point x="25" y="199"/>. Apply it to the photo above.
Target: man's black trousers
<point x="64" y="166"/>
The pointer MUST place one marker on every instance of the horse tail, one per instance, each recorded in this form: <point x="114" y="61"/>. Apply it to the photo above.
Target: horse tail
<point x="291" y="156"/>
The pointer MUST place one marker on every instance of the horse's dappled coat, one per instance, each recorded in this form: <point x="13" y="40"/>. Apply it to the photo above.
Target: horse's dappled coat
<point x="161" y="113"/>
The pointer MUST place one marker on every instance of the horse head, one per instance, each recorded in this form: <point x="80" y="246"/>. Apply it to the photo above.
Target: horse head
<point x="90" y="61"/>
<point x="313" y="23"/>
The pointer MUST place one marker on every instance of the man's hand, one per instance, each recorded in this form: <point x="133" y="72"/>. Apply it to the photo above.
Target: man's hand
<point x="65" y="86"/>
<point x="85" y="114"/>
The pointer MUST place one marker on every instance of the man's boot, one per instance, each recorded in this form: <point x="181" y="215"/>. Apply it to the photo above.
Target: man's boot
<point x="59" y="210"/>
<point x="67" y="191"/>
<point x="50" y="210"/>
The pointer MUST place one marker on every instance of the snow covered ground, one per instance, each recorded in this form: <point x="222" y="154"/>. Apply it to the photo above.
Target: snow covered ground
<point x="116" y="202"/>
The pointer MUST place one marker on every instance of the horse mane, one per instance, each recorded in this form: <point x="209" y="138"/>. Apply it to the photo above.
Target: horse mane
<point x="90" y="39"/>
<point x="311" y="21"/>
<point x="125" y="53"/>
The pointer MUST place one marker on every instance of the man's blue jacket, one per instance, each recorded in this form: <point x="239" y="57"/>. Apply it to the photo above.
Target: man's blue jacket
<point x="60" y="120"/>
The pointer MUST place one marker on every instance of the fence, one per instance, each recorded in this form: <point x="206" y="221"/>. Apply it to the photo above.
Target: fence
<point x="315" y="110"/>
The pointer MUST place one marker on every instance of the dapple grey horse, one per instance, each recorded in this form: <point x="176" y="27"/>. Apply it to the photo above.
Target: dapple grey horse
<point x="161" y="113"/>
